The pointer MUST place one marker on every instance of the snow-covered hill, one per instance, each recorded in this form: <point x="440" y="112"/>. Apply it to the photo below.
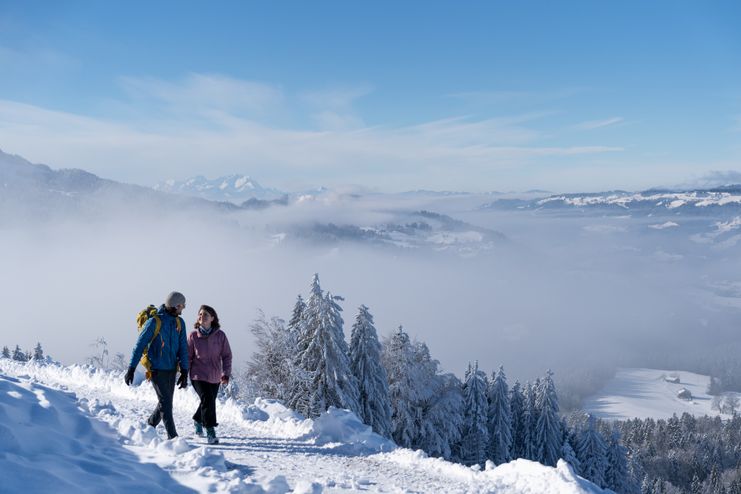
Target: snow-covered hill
<point x="232" y="188"/>
<point x="78" y="429"/>
<point x="645" y="393"/>
<point x="651" y="202"/>
<point x="409" y="230"/>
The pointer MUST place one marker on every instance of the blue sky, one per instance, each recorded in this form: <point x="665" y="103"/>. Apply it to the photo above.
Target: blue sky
<point x="480" y="96"/>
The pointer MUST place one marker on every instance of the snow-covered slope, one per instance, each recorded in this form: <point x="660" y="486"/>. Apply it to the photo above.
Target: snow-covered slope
<point x="78" y="429"/>
<point x="645" y="393"/>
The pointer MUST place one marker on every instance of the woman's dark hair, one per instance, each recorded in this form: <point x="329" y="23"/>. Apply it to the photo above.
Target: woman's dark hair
<point x="215" y="323"/>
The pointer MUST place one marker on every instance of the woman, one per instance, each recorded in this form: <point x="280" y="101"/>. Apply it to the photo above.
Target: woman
<point x="210" y="365"/>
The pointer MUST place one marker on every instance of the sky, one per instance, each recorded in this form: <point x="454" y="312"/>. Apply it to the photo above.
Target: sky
<point x="477" y="96"/>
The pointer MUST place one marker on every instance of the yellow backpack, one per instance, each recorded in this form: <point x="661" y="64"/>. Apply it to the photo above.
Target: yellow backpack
<point x="141" y="319"/>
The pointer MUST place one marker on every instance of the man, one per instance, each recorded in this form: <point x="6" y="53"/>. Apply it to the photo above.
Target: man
<point x="166" y="350"/>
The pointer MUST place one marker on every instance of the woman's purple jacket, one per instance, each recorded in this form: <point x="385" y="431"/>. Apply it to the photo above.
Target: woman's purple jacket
<point x="210" y="356"/>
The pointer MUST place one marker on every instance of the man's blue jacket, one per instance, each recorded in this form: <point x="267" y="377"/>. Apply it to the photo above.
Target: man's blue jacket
<point x="168" y="348"/>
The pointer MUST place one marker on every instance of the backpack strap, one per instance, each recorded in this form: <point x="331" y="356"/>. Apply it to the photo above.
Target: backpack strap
<point x="157" y="327"/>
<point x="145" y="357"/>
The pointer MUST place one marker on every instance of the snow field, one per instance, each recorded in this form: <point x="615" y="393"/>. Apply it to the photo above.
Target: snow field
<point x="79" y="429"/>
<point x="644" y="393"/>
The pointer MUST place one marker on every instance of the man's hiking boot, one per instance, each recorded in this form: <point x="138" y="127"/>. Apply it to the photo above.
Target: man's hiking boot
<point x="211" y="436"/>
<point x="199" y="428"/>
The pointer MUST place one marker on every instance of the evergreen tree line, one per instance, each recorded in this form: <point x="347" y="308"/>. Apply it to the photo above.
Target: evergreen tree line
<point x="687" y="454"/>
<point x="23" y="356"/>
<point x="398" y="389"/>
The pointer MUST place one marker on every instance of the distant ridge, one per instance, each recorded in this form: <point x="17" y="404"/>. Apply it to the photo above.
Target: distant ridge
<point x="721" y="199"/>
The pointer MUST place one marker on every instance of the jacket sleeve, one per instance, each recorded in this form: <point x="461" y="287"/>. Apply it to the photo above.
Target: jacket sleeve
<point x="183" y="348"/>
<point x="226" y="357"/>
<point x="191" y="349"/>
<point x="141" y="343"/>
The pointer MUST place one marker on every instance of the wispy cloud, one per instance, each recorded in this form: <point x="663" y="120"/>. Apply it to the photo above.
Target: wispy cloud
<point x="332" y="109"/>
<point x="216" y="125"/>
<point x="205" y="94"/>
<point x="598" y="124"/>
<point x="715" y="178"/>
<point x="496" y="97"/>
<point x="340" y="98"/>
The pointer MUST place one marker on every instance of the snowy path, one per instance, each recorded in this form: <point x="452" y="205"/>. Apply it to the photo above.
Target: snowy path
<point x="265" y="447"/>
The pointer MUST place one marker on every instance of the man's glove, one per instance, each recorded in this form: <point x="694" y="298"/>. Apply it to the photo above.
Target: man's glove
<point x="224" y="380"/>
<point x="129" y="378"/>
<point x="183" y="380"/>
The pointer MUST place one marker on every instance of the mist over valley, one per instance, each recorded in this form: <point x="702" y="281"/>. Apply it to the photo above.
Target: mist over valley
<point x="500" y="278"/>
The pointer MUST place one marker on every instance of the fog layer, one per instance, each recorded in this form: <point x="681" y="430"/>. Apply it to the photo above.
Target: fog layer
<point x="558" y="292"/>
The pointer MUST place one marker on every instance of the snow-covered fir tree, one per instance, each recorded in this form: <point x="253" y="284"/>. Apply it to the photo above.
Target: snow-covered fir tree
<point x="297" y="316"/>
<point x="271" y="369"/>
<point x="6" y="352"/>
<point x="517" y="410"/>
<point x="324" y="357"/>
<point x="19" y="355"/>
<point x="569" y="456"/>
<point x="571" y="440"/>
<point x="441" y="417"/>
<point x="500" y="419"/>
<point x="548" y="436"/>
<point x="617" y="476"/>
<point x="531" y="419"/>
<point x="714" y="484"/>
<point x="695" y="485"/>
<point x="398" y="360"/>
<point x="38" y="352"/>
<point x="365" y="363"/>
<point x="475" y="431"/>
<point x="438" y="406"/>
<point x="303" y="328"/>
<point x="592" y="453"/>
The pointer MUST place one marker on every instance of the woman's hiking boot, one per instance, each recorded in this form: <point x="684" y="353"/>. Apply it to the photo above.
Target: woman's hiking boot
<point x="199" y="429"/>
<point x="211" y="435"/>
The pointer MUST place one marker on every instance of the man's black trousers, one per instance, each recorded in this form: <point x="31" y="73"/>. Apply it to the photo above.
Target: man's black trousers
<point x="163" y="382"/>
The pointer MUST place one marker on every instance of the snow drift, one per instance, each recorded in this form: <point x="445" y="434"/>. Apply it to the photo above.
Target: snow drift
<point x="80" y="429"/>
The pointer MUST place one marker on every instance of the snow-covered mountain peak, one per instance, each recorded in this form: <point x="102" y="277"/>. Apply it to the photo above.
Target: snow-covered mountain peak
<point x="234" y="188"/>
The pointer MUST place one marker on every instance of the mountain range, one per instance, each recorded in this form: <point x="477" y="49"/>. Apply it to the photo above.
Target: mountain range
<point x="36" y="192"/>
<point x="717" y="200"/>
<point x="232" y="188"/>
